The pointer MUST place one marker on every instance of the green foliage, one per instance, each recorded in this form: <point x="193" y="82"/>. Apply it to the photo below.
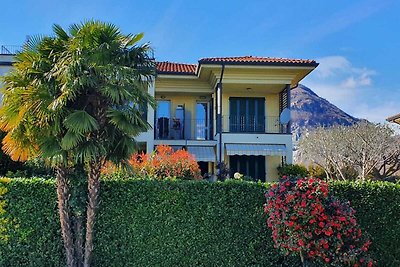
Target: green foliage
<point x="377" y="206"/>
<point x="293" y="170"/>
<point x="73" y="97"/>
<point x="31" y="235"/>
<point x="181" y="223"/>
<point x="316" y="172"/>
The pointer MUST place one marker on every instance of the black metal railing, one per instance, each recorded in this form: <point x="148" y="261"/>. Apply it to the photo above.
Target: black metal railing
<point x="252" y="124"/>
<point x="178" y="129"/>
<point x="10" y="49"/>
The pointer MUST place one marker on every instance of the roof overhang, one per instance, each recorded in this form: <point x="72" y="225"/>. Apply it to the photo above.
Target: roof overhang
<point x="394" y="119"/>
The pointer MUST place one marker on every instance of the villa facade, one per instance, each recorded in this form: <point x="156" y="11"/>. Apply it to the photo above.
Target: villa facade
<point x="234" y="110"/>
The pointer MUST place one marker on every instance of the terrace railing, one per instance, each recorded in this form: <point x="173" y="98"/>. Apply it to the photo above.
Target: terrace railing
<point x="252" y="124"/>
<point x="178" y="129"/>
<point x="9" y="49"/>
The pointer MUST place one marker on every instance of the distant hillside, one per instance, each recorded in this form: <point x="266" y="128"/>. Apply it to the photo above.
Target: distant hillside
<point x="309" y="111"/>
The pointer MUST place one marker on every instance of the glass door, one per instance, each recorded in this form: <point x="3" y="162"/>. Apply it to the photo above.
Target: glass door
<point x="246" y="114"/>
<point x="202" y="120"/>
<point x="163" y="116"/>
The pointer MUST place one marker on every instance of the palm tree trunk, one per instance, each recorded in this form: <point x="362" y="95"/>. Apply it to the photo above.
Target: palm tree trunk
<point x="304" y="260"/>
<point x="93" y="201"/>
<point x="63" y="195"/>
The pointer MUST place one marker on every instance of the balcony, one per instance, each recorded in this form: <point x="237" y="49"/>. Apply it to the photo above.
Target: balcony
<point x="253" y="124"/>
<point x="180" y="129"/>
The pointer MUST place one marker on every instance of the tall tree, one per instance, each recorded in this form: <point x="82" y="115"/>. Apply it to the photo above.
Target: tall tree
<point x="73" y="100"/>
<point x="366" y="149"/>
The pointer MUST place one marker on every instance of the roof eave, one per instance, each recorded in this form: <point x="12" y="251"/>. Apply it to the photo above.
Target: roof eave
<point x="393" y="118"/>
<point x="284" y="64"/>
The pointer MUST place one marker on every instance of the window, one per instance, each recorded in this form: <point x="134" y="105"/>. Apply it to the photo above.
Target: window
<point x="253" y="166"/>
<point x="246" y="114"/>
<point x="202" y="121"/>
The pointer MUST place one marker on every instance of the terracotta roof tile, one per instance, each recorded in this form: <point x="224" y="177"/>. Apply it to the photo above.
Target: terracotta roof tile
<point x="190" y="69"/>
<point x="252" y="60"/>
<point x="176" y="68"/>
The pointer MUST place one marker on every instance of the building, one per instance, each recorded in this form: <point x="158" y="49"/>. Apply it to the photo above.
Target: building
<point x="234" y="110"/>
<point x="394" y="119"/>
<point x="6" y="58"/>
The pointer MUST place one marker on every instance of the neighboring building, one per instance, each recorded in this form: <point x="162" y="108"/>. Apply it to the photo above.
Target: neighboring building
<point x="6" y="58"/>
<point x="224" y="110"/>
<point x="394" y="119"/>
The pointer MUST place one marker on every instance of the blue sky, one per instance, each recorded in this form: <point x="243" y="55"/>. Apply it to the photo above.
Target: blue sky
<point x="356" y="42"/>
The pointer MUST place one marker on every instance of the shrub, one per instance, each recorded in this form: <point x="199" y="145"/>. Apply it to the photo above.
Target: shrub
<point x="180" y="223"/>
<point x="316" y="171"/>
<point x="166" y="163"/>
<point x="305" y="221"/>
<point x="293" y="170"/>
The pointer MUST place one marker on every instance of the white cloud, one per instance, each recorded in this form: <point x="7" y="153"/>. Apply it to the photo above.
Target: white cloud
<point x="337" y="80"/>
<point x="330" y="65"/>
<point x="352" y="89"/>
<point x="377" y="112"/>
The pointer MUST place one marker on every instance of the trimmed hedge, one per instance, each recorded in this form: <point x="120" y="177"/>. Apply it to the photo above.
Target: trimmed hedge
<point x="179" y="223"/>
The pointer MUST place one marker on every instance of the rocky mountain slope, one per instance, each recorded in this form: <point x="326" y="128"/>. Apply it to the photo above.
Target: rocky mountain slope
<point x="309" y="111"/>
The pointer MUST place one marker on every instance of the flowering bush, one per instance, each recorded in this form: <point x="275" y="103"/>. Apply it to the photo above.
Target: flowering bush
<point x="166" y="163"/>
<point x="305" y="220"/>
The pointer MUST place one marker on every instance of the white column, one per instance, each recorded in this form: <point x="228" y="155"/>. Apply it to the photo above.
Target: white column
<point x="150" y="120"/>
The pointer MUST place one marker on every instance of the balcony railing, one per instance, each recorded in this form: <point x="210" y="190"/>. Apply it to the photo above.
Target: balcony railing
<point x="9" y="49"/>
<point x="252" y="124"/>
<point x="178" y="129"/>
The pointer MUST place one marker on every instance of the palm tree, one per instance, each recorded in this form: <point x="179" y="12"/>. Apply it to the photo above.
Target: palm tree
<point x="73" y="99"/>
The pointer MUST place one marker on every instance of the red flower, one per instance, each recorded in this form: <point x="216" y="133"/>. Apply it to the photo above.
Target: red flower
<point x="304" y="217"/>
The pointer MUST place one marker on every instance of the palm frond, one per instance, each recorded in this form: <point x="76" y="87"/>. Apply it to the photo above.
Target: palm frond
<point x="80" y="122"/>
<point x="70" y="140"/>
<point x="60" y="32"/>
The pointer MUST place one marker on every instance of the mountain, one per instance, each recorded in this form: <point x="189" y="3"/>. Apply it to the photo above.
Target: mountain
<point x="309" y="111"/>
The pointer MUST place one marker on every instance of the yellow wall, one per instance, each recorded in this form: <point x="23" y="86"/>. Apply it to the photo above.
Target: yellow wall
<point x="272" y="163"/>
<point x="183" y="85"/>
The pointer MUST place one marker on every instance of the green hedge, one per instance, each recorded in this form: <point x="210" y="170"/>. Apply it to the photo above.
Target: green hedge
<point x="180" y="223"/>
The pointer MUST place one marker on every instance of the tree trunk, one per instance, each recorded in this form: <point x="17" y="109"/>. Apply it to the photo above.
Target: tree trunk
<point x="63" y="195"/>
<point x="93" y="201"/>
<point x="304" y="260"/>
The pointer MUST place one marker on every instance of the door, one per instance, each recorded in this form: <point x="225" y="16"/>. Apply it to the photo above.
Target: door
<point x="202" y="121"/>
<point x="163" y="116"/>
<point x="246" y="114"/>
